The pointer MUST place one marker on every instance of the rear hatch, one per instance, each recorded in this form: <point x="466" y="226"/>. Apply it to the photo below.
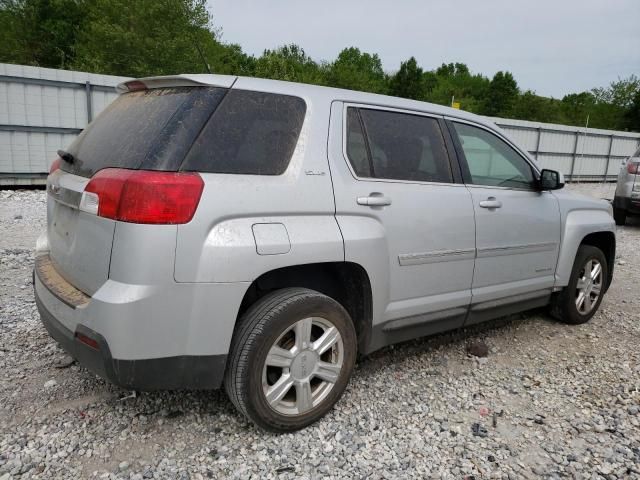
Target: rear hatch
<point x="144" y="129"/>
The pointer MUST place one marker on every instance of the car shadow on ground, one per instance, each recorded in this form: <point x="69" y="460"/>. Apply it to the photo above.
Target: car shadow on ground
<point x="164" y="409"/>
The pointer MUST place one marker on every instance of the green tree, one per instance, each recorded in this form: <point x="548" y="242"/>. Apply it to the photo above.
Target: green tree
<point x="409" y="81"/>
<point x="40" y="32"/>
<point x="632" y="115"/>
<point x="575" y="107"/>
<point x="620" y="93"/>
<point x="145" y="37"/>
<point x="228" y="59"/>
<point x="357" y="70"/>
<point x="453" y="70"/>
<point x="530" y="106"/>
<point x="455" y="80"/>
<point x="613" y="103"/>
<point x="501" y="95"/>
<point x="291" y="63"/>
<point x="157" y="37"/>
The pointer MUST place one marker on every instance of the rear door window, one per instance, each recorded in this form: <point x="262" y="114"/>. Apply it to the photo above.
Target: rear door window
<point x="150" y="129"/>
<point x="356" y="146"/>
<point x="401" y="146"/>
<point x="249" y="133"/>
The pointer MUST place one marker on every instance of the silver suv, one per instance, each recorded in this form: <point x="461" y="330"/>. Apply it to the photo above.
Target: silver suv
<point x="627" y="196"/>
<point x="210" y="230"/>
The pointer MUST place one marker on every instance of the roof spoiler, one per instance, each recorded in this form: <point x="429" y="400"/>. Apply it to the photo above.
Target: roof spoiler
<point x="195" y="80"/>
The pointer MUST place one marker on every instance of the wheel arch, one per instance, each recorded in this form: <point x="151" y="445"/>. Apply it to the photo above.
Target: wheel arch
<point x="589" y="227"/>
<point x="606" y="242"/>
<point x="346" y="282"/>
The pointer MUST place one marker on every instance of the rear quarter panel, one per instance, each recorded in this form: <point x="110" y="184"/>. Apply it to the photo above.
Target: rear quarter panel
<point x="218" y="245"/>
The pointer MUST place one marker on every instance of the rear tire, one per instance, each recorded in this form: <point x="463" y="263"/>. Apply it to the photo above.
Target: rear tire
<point x="291" y="358"/>
<point x="580" y="300"/>
<point x="620" y="216"/>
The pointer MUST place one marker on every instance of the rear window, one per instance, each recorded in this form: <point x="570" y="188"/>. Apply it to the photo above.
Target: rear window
<point x="249" y="133"/>
<point x="150" y="129"/>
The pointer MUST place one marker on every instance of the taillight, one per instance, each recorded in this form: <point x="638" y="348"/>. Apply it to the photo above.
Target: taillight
<point x="633" y="167"/>
<point x="55" y="165"/>
<point x="143" y="196"/>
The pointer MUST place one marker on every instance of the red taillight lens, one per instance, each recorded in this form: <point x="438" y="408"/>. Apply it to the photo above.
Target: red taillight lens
<point x="55" y="165"/>
<point x="633" y="167"/>
<point x="142" y="196"/>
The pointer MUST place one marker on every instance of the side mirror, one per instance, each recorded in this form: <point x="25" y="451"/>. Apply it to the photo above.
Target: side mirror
<point x="551" y="180"/>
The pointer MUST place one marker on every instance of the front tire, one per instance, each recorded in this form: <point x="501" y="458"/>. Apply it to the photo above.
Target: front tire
<point x="620" y="216"/>
<point x="580" y="300"/>
<point x="291" y="359"/>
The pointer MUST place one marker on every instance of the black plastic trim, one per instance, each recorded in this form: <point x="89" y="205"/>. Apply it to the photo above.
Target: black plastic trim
<point x="409" y="328"/>
<point x="454" y="163"/>
<point x="631" y="207"/>
<point x="499" y="308"/>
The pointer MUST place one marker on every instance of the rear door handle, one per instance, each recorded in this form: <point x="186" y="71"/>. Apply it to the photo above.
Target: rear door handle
<point x="374" y="200"/>
<point x="491" y="202"/>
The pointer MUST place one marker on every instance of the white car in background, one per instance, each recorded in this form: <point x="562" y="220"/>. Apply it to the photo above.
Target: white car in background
<point x="627" y="197"/>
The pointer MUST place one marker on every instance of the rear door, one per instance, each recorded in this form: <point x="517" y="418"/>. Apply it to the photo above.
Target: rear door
<point x="404" y="216"/>
<point x="517" y="227"/>
<point x="146" y="129"/>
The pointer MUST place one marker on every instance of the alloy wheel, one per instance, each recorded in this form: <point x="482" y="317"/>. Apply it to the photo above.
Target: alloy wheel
<point x="302" y="366"/>
<point x="589" y="286"/>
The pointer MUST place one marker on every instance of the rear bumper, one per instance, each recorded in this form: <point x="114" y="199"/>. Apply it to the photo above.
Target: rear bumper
<point x="631" y="205"/>
<point x="170" y="373"/>
<point x="160" y="337"/>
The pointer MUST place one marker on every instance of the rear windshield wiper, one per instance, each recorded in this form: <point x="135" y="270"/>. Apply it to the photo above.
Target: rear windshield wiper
<point x="66" y="156"/>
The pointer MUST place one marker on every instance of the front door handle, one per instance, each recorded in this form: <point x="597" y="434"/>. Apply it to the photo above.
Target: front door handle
<point x="491" y="202"/>
<point x="374" y="200"/>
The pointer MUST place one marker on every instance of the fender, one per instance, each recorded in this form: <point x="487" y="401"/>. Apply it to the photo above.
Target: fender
<point x="577" y="224"/>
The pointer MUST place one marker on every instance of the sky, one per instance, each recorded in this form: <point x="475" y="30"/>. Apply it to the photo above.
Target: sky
<point x="552" y="47"/>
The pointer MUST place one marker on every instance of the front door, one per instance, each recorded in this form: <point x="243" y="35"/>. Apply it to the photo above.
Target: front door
<point x="517" y="226"/>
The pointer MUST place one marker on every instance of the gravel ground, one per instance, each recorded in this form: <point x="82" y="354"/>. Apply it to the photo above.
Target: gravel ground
<point x="555" y="401"/>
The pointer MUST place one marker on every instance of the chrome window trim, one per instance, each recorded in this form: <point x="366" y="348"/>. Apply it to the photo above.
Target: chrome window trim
<point x="346" y="105"/>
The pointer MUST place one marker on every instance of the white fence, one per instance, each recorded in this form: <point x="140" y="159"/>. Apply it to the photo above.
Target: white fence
<point x="580" y="153"/>
<point x="42" y="110"/>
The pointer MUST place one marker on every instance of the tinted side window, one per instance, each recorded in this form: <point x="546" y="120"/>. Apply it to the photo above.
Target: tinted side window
<point x="405" y="147"/>
<point x="249" y="133"/>
<point x="491" y="161"/>
<point x="356" y="146"/>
